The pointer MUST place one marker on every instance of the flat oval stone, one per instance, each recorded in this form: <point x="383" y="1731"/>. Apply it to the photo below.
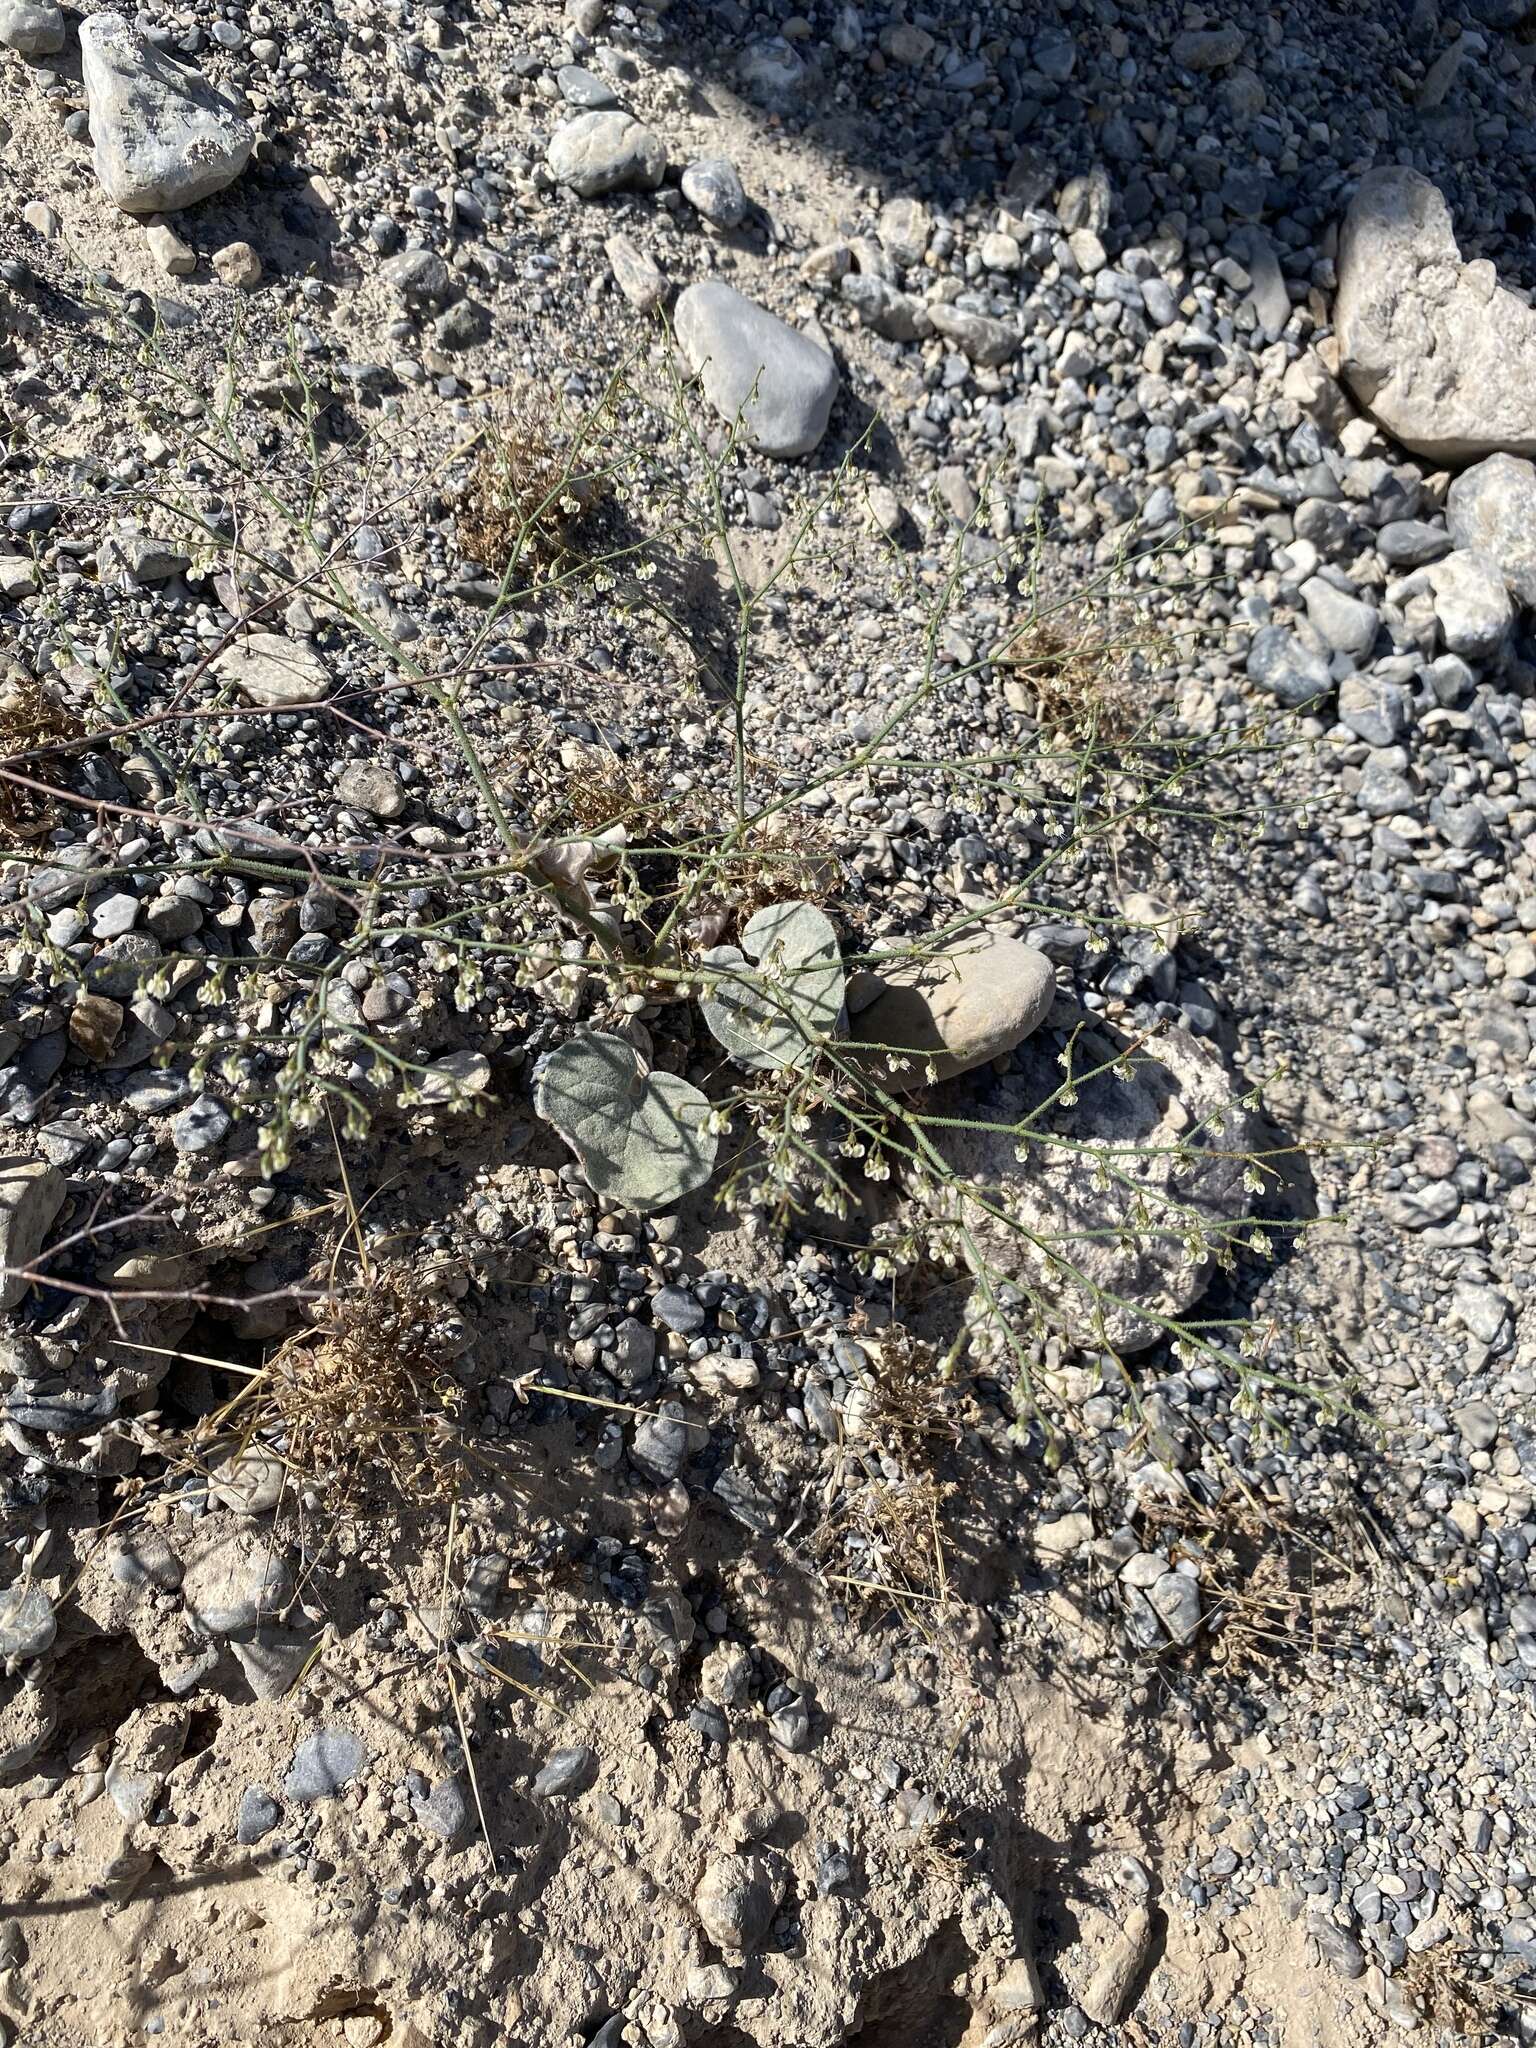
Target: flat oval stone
<point x="324" y="1765"/>
<point x="27" y="1624"/>
<point x="251" y="1483"/>
<point x="943" y="1017"/>
<point x="607" y="151"/>
<point x="267" y="669"/>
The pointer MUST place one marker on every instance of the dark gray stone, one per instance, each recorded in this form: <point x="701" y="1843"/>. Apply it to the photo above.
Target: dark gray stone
<point x="568" y="1772"/>
<point x="324" y="1764"/>
<point x="259" y="1815"/>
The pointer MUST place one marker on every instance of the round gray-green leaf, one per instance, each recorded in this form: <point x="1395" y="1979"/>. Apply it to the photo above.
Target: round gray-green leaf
<point x="795" y="1000"/>
<point x="643" y="1139"/>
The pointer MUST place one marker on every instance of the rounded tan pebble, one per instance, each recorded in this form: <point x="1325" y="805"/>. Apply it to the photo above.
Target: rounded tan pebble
<point x="238" y="266"/>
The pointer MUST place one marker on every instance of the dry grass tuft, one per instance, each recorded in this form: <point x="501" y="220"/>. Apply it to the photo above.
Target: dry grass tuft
<point x="521" y="503"/>
<point x="1066" y="669"/>
<point x="1456" y="2006"/>
<point x="886" y="1540"/>
<point x="782" y="859"/>
<point x="905" y="1412"/>
<point x="1276" y="1594"/>
<point x="935" y="1843"/>
<point x="363" y="1404"/>
<point x="29" y="717"/>
<point x="785" y="859"/>
<point x="890" y="1536"/>
<point x="602" y="791"/>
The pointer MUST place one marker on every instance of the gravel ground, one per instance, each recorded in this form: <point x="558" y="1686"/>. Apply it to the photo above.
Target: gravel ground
<point x="1054" y="307"/>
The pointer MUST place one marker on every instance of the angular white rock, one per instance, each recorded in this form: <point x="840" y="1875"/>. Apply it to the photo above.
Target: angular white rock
<point x="31" y="1195"/>
<point x="1471" y="603"/>
<point x="163" y="137"/>
<point x="32" y="28"/>
<point x="634" y="272"/>
<point x="1434" y="349"/>
<point x="1491" y="509"/>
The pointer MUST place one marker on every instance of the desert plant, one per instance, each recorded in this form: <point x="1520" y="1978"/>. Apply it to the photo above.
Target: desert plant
<point x="1073" y="670"/>
<point x="645" y="1140"/>
<point x="777" y="1018"/>
<point x="622" y="917"/>
<point x="31" y="721"/>
<point x="359" y="1404"/>
<point x="521" y="508"/>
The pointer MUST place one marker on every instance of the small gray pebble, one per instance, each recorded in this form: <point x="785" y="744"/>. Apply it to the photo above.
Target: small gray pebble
<point x="567" y="1772"/>
<point x="259" y="1814"/>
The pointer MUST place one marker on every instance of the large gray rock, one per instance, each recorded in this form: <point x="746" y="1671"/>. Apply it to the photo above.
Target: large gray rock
<point x="420" y="277"/>
<point x="27" y="1625"/>
<point x="323" y="1765"/>
<point x="1374" y="709"/>
<point x="1491" y="509"/>
<point x="1432" y="347"/>
<point x="977" y="335"/>
<point x="1208" y="49"/>
<point x="267" y="669"/>
<point x="904" y="228"/>
<point x="1471" y="603"/>
<point x="608" y="151"/>
<point x="163" y="137"/>
<point x="734" y="345"/>
<point x="713" y="186"/>
<point x="1267" y="292"/>
<point x="272" y="1659"/>
<point x="1171" y="1131"/>
<point x="942" y="1017"/>
<point x="1110" y="1987"/>
<point x="251" y="1482"/>
<point x="32" y="28"/>
<point x="567" y="1772"/>
<point x="883" y="308"/>
<point x="31" y="1195"/>
<point x="1347" y="624"/>
<point x="637" y="276"/>
<point x="259" y="1814"/>
<point x="772" y="71"/>
<point x="582" y="88"/>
